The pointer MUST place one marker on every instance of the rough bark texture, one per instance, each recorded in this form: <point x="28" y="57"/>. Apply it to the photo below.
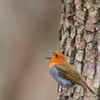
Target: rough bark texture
<point x="80" y="43"/>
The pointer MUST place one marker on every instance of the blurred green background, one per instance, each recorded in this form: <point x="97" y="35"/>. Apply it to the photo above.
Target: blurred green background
<point x="28" y="29"/>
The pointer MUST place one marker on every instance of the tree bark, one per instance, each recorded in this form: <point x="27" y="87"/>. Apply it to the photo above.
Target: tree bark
<point x="80" y="43"/>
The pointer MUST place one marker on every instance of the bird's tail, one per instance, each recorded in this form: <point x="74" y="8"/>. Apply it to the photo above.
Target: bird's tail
<point x="90" y="88"/>
<point x="86" y="85"/>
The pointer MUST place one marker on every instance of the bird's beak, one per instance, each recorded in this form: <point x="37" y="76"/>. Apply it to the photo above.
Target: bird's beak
<point x="48" y="57"/>
<point x="50" y="50"/>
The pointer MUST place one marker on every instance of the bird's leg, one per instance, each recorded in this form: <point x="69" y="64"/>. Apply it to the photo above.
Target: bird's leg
<point x="62" y="93"/>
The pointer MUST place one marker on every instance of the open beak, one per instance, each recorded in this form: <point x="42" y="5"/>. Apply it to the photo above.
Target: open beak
<point x="50" y="50"/>
<point x="48" y="57"/>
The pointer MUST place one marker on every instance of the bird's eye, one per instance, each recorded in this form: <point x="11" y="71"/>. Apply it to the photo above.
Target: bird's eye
<point x="56" y="55"/>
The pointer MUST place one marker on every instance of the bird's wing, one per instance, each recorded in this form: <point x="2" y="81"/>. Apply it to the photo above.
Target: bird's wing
<point x="67" y="71"/>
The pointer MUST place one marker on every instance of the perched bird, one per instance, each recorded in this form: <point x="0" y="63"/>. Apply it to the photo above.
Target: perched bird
<point x="64" y="73"/>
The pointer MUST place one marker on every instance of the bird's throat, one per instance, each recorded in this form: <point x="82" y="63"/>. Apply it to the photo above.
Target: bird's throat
<point x="52" y="63"/>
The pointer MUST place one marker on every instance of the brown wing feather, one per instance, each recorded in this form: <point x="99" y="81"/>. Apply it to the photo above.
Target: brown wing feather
<point x="67" y="71"/>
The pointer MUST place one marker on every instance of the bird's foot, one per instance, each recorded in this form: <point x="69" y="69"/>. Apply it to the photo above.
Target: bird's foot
<point x="63" y="97"/>
<point x="62" y="94"/>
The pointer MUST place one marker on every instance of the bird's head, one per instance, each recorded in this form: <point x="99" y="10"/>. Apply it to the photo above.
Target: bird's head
<point x="57" y="57"/>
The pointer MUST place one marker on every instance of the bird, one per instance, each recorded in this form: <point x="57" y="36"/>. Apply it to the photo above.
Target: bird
<point x="64" y="73"/>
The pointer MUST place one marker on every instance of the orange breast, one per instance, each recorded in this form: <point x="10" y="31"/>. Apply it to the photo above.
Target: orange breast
<point x="51" y="64"/>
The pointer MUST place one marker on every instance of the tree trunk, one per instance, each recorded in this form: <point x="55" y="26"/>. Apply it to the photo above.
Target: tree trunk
<point x="80" y="43"/>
